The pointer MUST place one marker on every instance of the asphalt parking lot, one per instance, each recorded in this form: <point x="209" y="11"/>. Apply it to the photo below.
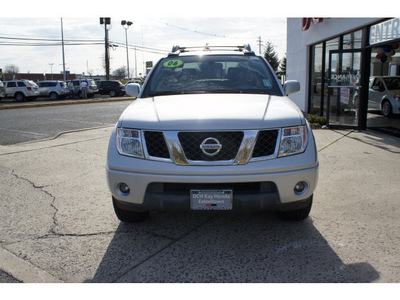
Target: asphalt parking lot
<point x="57" y="223"/>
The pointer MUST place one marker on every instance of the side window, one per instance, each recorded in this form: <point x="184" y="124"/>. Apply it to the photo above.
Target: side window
<point x="11" y="84"/>
<point x="379" y="83"/>
<point x="21" y="83"/>
<point x="52" y="83"/>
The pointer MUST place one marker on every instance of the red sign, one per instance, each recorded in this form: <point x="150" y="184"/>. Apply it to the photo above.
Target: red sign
<point x="306" y="22"/>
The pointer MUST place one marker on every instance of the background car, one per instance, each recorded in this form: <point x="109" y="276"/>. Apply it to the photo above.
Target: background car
<point x="22" y="90"/>
<point x="2" y="90"/>
<point x="384" y="94"/>
<point x="91" y="87"/>
<point x="53" y="89"/>
<point x="113" y="88"/>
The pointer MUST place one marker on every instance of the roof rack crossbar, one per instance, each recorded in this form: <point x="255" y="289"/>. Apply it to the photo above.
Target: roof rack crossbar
<point x="243" y="48"/>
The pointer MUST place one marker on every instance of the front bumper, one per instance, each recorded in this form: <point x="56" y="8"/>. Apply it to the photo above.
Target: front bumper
<point x="153" y="191"/>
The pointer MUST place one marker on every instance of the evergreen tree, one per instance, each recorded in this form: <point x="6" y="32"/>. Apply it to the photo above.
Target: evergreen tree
<point x="271" y="56"/>
<point x="282" y="66"/>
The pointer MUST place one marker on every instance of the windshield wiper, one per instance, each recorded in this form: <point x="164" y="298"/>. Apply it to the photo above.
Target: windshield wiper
<point x="228" y="91"/>
<point x="164" y="93"/>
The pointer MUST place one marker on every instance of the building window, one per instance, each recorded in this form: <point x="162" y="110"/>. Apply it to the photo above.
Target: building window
<point x="316" y="79"/>
<point x="352" y="40"/>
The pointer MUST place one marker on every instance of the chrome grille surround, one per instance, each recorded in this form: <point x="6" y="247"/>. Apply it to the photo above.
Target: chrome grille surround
<point x="243" y="156"/>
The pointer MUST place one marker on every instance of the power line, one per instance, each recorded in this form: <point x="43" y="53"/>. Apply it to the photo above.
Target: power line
<point x="200" y="32"/>
<point x="147" y="49"/>
<point x="49" y="40"/>
<point x="45" y="42"/>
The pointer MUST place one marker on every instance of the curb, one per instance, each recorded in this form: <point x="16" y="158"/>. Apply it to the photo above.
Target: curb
<point x="16" y="106"/>
<point x="24" y="271"/>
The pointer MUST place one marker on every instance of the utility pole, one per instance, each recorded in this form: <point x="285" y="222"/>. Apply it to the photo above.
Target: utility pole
<point x="63" y="55"/>
<point x="259" y="44"/>
<point x="106" y="21"/>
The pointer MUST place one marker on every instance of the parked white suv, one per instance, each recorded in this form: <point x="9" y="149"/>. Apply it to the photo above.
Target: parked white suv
<point x="92" y="88"/>
<point x="21" y="90"/>
<point x="54" y="89"/>
<point x="212" y="130"/>
<point x="2" y="89"/>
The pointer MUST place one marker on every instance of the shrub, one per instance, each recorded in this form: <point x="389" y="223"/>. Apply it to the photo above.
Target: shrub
<point x="316" y="120"/>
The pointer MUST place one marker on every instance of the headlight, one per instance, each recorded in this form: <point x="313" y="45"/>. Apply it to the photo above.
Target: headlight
<point x="293" y="140"/>
<point x="129" y="142"/>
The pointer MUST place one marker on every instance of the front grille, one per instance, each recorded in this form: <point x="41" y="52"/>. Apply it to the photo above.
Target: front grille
<point x="266" y="143"/>
<point x="156" y="145"/>
<point x="191" y="142"/>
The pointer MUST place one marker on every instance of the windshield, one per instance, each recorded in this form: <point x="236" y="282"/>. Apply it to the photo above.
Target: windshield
<point x="392" y="83"/>
<point x="211" y="74"/>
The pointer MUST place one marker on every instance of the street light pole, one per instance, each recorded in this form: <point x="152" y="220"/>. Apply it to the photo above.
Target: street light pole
<point x="125" y="25"/>
<point x="106" y="21"/>
<point x="51" y="70"/>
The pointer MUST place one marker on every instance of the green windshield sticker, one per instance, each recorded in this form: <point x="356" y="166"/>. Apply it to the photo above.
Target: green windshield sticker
<point x="174" y="63"/>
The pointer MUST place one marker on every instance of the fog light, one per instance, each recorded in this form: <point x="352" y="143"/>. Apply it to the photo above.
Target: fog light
<point x="300" y="187"/>
<point x="124" y="188"/>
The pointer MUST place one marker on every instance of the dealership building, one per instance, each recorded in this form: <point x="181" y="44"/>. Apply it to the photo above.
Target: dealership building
<point x="348" y="69"/>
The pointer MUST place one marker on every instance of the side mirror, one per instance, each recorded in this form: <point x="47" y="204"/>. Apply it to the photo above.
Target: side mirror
<point x="132" y="89"/>
<point x="291" y="86"/>
<point x="376" y="88"/>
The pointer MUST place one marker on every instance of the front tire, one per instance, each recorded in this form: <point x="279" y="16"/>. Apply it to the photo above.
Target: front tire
<point x="297" y="214"/>
<point x="20" y="97"/>
<point x="113" y="93"/>
<point x="129" y="216"/>
<point x="386" y="108"/>
<point x="53" y="96"/>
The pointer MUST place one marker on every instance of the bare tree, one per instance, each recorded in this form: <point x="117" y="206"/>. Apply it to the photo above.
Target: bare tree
<point x="10" y="71"/>
<point x="119" y="73"/>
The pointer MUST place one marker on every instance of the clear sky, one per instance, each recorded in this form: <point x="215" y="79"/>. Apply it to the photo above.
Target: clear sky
<point x="156" y="34"/>
<point x="157" y="26"/>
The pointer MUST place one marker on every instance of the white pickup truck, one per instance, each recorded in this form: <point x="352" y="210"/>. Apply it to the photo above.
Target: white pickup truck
<point x="212" y="129"/>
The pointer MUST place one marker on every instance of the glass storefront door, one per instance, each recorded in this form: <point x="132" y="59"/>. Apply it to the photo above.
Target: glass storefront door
<point x="344" y="84"/>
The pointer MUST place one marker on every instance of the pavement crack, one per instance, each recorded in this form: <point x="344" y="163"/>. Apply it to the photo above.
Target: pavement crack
<point x="49" y="147"/>
<point x="57" y="234"/>
<point x="52" y="233"/>
<point x="41" y="188"/>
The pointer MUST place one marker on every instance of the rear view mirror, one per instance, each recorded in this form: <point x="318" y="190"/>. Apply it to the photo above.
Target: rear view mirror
<point x="291" y="86"/>
<point x="132" y="89"/>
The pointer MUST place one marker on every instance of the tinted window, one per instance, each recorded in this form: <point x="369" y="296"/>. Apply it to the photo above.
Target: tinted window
<point x="392" y="83"/>
<point x="11" y="84"/>
<point x="20" y="83"/>
<point x="212" y="74"/>
<point x="52" y="83"/>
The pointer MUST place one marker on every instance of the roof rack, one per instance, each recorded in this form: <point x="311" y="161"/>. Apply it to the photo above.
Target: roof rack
<point x="176" y="50"/>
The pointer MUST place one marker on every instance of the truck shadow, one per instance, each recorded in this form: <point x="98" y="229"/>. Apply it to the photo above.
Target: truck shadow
<point x="228" y="248"/>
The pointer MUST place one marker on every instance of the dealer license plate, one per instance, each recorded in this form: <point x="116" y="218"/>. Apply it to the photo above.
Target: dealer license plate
<point x="211" y="199"/>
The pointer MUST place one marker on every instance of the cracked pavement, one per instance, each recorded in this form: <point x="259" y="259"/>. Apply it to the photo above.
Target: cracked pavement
<point x="57" y="222"/>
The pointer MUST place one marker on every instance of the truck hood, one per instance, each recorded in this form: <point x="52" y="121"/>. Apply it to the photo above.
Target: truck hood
<point x="211" y="112"/>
